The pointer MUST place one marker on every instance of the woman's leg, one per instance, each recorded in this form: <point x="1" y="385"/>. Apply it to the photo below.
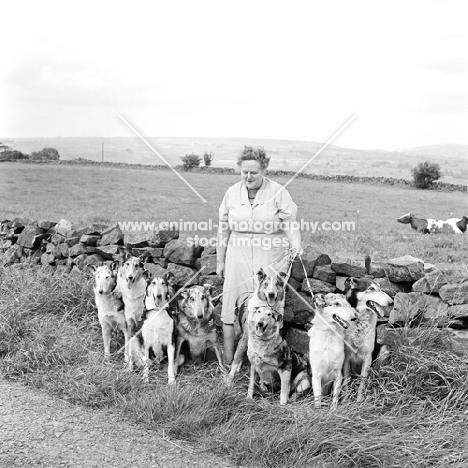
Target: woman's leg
<point x="228" y="334"/>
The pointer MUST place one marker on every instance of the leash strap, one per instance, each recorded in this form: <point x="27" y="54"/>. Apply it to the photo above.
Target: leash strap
<point x="305" y="273"/>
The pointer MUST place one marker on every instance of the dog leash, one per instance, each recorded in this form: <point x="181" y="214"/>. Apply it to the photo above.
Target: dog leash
<point x="306" y="278"/>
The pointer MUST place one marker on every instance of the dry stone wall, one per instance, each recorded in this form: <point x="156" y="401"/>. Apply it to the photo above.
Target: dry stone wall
<point x="423" y="294"/>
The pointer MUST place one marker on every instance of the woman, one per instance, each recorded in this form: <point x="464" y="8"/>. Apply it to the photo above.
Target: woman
<point x="255" y="231"/>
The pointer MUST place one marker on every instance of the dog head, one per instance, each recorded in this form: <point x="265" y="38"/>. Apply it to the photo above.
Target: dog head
<point x="104" y="279"/>
<point x="196" y="302"/>
<point x="363" y="292"/>
<point x="332" y="309"/>
<point x="270" y="288"/>
<point x="263" y="322"/>
<point x="132" y="269"/>
<point x="159" y="291"/>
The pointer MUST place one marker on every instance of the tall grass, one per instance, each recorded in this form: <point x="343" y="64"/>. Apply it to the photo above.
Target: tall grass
<point x="414" y="414"/>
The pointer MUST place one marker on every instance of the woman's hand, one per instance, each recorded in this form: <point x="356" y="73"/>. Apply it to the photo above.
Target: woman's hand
<point x="220" y="267"/>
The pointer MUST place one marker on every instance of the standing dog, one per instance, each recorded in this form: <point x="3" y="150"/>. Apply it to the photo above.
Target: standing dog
<point x="270" y="355"/>
<point x="196" y="323"/>
<point x="270" y="292"/>
<point x="326" y="347"/>
<point x="131" y="285"/>
<point x="158" y="330"/>
<point x="368" y="299"/>
<point x="110" y="307"/>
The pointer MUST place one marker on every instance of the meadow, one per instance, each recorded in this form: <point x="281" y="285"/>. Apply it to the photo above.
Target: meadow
<point x="416" y="409"/>
<point x="94" y="194"/>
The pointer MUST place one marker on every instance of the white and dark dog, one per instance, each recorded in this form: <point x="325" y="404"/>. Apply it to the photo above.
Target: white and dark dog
<point x="196" y="324"/>
<point x="270" y="292"/>
<point x="368" y="299"/>
<point x="110" y="307"/>
<point x="159" y="329"/>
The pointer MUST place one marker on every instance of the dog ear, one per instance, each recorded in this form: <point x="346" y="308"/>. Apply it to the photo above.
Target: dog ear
<point x="353" y="283"/>
<point x="281" y="278"/>
<point x="208" y="288"/>
<point x="319" y="301"/>
<point x="114" y="266"/>
<point x="92" y="268"/>
<point x="144" y="257"/>
<point x="261" y="275"/>
<point x="184" y="294"/>
<point x="169" y="278"/>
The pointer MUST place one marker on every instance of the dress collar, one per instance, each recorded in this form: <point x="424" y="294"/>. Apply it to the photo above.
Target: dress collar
<point x="259" y="198"/>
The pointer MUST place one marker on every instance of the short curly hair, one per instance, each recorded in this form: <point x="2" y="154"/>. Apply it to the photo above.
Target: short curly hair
<point x="249" y="153"/>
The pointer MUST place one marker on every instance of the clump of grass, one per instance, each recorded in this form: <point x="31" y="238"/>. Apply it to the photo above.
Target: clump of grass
<point x="414" y="413"/>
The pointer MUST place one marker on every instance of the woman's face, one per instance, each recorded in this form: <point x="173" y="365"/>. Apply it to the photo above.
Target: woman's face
<point x="252" y="174"/>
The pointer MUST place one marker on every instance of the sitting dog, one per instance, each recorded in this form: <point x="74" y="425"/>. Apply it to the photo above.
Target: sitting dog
<point x="110" y="307"/>
<point x="196" y="323"/>
<point x="158" y="330"/>
<point x="368" y="299"/>
<point x="270" y="356"/>
<point x="131" y="286"/>
<point x="270" y="292"/>
<point x="326" y="347"/>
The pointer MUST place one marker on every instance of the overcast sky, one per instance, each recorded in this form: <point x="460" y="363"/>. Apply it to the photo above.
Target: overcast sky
<point x="267" y="69"/>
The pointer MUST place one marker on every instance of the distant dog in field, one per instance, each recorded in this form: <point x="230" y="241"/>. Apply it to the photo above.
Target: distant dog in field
<point x="270" y="292"/>
<point x="333" y="315"/>
<point x="131" y="285"/>
<point x="368" y="299"/>
<point x="159" y="330"/>
<point x="196" y="323"/>
<point x="110" y="307"/>
<point x="270" y="356"/>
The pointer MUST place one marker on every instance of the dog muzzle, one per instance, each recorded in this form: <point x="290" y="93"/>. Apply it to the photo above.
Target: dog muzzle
<point x="375" y="307"/>
<point x="260" y="329"/>
<point x="340" y="321"/>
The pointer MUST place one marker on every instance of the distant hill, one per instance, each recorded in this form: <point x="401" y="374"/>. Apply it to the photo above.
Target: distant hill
<point x="285" y="154"/>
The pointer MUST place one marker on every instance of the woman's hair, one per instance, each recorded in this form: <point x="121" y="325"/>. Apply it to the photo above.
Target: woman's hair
<point x="249" y="153"/>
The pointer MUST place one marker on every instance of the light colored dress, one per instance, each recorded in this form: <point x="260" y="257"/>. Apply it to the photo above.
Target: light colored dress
<point x="256" y="240"/>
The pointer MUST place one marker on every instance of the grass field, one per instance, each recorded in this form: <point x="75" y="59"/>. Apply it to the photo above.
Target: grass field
<point x="416" y="408"/>
<point x="96" y="194"/>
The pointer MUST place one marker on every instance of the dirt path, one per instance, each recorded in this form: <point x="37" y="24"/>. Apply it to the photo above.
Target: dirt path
<point x="42" y="431"/>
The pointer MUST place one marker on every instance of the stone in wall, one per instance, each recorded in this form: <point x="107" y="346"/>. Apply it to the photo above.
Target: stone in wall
<point x="454" y="294"/>
<point x="297" y="339"/>
<point x="317" y="286"/>
<point x="406" y="268"/>
<point x="178" y="251"/>
<point x="182" y="274"/>
<point x="417" y="306"/>
<point x="298" y="308"/>
<point x="112" y="236"/>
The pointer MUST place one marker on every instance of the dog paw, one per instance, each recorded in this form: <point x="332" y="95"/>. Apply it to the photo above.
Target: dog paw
<point x="171" y="381"/>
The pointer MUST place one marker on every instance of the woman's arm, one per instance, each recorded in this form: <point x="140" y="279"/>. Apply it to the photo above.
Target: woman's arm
<point x="223" y="238"/>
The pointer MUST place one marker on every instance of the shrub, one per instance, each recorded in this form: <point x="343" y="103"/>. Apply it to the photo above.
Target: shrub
<point x="208" y="157"/>
<point x="12" y="154"/>
<point x="425" y="174"/>
<point x="47" y="154"/>
<point x="191" y="160"/>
